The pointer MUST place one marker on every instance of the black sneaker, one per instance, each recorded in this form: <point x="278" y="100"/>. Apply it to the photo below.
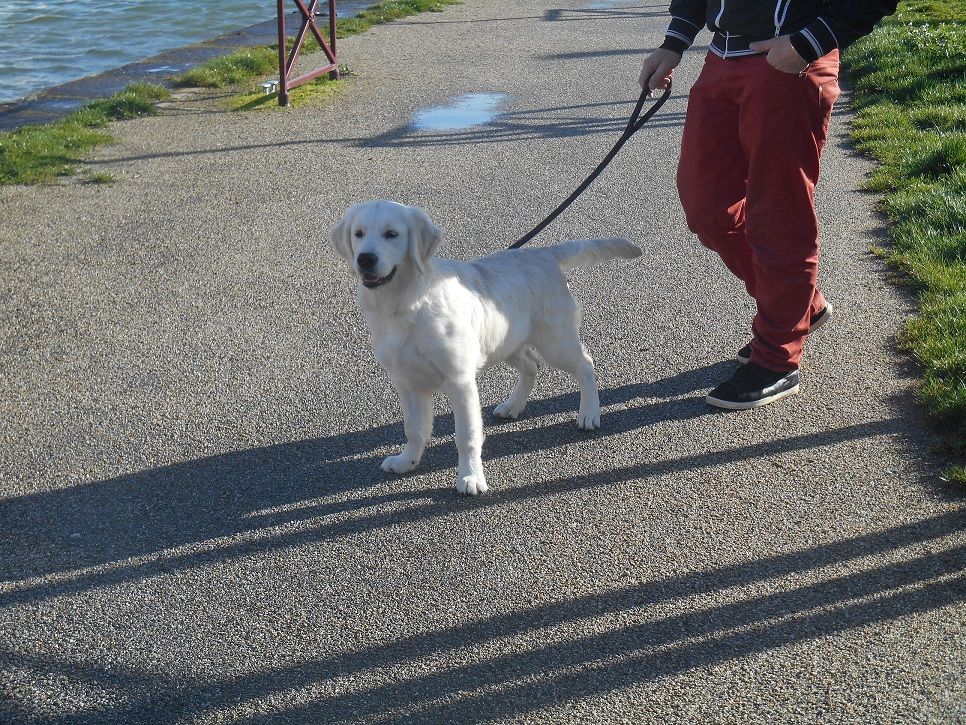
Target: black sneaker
<point x="818" y="319"/>
<point x="751" y="386"/>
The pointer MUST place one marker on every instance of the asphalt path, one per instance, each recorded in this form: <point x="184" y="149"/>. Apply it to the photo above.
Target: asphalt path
<point x="193" y="523"/>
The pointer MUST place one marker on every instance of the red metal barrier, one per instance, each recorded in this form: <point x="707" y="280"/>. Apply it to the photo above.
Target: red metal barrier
<point x="286" y="59"/>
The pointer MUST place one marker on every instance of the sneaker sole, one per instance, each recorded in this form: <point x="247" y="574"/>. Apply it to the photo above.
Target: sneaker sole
<point x="819" y="321"/>
<point x="731" y="405"/>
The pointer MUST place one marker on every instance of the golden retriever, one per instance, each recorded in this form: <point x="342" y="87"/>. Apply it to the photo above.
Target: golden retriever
<point x="436" y="323"/>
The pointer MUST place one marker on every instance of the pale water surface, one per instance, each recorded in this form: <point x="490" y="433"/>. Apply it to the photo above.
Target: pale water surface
<point x="43" y="44"/>
<point x="472" y="109"/>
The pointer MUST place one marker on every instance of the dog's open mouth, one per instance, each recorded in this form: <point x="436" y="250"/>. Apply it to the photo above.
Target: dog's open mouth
<point x="371" y="280"/>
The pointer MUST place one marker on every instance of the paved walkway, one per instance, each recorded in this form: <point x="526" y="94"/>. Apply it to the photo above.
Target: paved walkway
<point x="193" y="526"/>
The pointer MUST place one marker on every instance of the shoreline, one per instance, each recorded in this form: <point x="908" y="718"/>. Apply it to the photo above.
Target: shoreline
<point x="55" y="102"/>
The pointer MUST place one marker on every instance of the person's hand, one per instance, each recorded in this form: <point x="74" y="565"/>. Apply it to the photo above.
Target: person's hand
<point x="657" y="69"/>
<point x="781" y="54"/>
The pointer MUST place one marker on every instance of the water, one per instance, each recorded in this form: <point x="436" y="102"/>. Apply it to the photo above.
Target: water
<point x="43" y="44"/>
<point x="472" y="109"/>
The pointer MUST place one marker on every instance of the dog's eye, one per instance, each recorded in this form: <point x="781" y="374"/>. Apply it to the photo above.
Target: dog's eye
<point x="359" y="233"/>
<point x="390" y="234"/>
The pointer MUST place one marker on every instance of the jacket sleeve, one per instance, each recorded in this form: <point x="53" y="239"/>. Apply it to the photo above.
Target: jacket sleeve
<point x="842" y="23"/>
<point x="687" y="20"/>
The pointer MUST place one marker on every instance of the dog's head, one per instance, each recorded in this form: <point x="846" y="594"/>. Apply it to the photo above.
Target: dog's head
<point x="378" y="237"/>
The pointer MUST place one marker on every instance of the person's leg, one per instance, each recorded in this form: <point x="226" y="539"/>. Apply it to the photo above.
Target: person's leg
<point x="713" y="168"/>
<point x="784" y="122"/>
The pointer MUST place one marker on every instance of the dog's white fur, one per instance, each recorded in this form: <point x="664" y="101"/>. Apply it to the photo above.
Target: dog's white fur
<point x="435" y="323"/>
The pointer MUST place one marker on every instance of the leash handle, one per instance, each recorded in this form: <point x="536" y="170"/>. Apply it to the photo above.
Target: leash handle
<point x="633" y="125"/>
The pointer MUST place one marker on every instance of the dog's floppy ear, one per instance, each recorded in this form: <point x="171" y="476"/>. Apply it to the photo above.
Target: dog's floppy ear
<point x="339" y="236"/>
<point x="424" y="237"/>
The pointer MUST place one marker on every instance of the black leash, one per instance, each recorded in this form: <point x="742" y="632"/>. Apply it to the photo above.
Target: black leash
<point x="635" y="122"/>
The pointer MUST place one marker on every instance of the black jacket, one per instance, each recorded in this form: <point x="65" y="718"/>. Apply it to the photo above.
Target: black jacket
<point x="817" y="26"/>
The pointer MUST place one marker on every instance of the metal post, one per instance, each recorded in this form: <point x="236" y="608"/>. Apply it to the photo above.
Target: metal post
<point x="286" y="61"/>
<point x="334" y="75"/>
<point x="282" y="55"/>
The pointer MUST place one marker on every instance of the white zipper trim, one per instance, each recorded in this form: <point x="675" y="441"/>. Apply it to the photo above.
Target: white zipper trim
<point x="717" y="20"/>
<point x="780" y="15"/>
<point x="784" y="14"/>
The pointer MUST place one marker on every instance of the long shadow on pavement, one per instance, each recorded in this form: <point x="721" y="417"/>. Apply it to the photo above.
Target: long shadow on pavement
<point x="530" y="671"/>
<point x="151" y="511"/>
<point x="519" y="126"/>
<point x="540" y="123"/>
<point x="154" y="510"/>
<point x="614" y="53"/>
<point x="556" y="15"/>
<point x="249" y="502"/>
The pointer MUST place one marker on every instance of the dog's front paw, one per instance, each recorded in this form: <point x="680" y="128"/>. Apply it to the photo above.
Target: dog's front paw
<point x="508" y="409"/>
<point x="398" y="464"/>
<point x="472" y="485"/>
<point x="589" y="420"/>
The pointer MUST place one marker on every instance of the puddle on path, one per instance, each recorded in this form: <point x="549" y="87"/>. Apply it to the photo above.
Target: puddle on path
<point x="472" y="109"/>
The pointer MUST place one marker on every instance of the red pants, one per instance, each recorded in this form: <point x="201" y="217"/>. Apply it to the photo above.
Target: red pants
<point x="749" y="164"/>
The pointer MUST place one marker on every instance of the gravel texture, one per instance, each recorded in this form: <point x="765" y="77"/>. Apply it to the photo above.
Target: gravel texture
<point x="193" y="525"/>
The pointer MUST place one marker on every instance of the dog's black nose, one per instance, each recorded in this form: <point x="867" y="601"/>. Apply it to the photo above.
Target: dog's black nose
<point x="367" y="260"/>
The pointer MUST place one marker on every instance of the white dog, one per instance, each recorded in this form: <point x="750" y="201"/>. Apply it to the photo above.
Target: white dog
<point x="436" y="323"/>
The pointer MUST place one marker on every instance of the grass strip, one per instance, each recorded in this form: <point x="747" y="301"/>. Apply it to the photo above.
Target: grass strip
<point x="228" y="70"/>
<point x="386" y="12"/>
<point x="910" y="95"/>
<point x="248" y="63"/>
<point x="39" y="154"/>
<point x="309" y="94"/>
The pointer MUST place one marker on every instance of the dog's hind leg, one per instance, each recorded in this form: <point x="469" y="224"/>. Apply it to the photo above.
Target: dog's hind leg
<point x="567" y="353"/>
<point x="418" y="424"/>
<point x="465" y="398"/>
<point x="524" y="361"/>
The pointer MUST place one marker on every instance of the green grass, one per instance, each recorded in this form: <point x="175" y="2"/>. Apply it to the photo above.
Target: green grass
<point x="99" y="177"/>
<point x="910" y="92"/>
<point x="241" y="65"/>
<point x="386" y="12"/>
<point x="40" y="154"/>
<point x="248" y="63"/>
<point x="309" y="94"/>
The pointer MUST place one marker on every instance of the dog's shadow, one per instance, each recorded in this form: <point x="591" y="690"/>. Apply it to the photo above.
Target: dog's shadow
<point x="672" y="387"/>
<point x="504" y="437"/>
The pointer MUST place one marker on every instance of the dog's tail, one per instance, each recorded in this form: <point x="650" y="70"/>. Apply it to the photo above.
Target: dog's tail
<point x="588" y="252"/>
